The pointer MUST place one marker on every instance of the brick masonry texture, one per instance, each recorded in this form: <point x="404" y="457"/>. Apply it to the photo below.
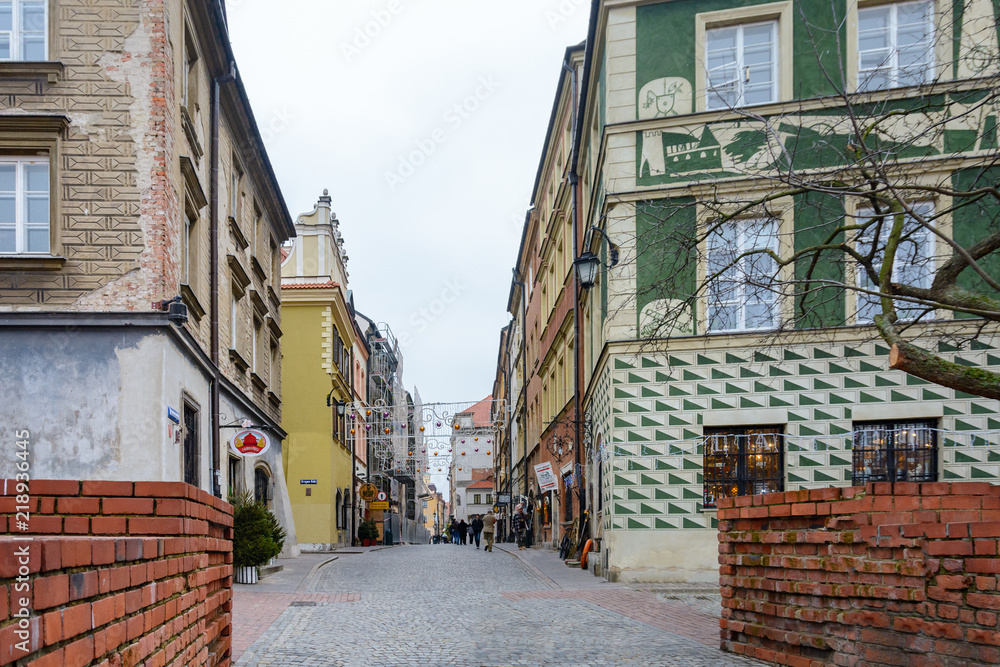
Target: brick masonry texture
<point x="121" y="574"/>
<point x="885" y="574"/>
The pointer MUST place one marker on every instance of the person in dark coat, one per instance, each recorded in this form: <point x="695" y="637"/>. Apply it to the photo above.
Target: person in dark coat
<point x="463" y="532"/>
<point x="477" y="528"/>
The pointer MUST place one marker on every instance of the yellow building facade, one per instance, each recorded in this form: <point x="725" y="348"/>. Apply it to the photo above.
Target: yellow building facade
<point x="317" y="375"/>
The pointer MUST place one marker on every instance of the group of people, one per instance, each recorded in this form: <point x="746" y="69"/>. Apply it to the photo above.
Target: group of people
<point x="484" y="525"/>
<point x="481" y="526"/>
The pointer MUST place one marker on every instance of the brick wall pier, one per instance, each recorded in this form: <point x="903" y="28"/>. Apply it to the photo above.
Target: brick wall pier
<point x="885" y="574"/>
<point x="118" y="574"/>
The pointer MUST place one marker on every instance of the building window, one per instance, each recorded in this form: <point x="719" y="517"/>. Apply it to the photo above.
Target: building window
<point x="24" y="205"/>
<point x="234" y="318"/>
<point x="340" y="503"/>
<point x="274" y="369"/>
<point x="191" y="451"/>
<point x="235" y="476"/>
<point x="234" y="189"/>
<point x="741" y="293"/>
<point x="477" y="499"/>
<point x="262" y="486"/>
<point x="895" y="452"/>
<point x="913" y="264"/>
<point x="23" y="30"/>
<point x="743" y="461"/>
<point x="567" y="497"/>
<point x="255" y="351"/>
<point x="741" y="64"/>
<point x="190" y="245"/>
<point x="189" y="81"/>
<point x="489" y="498"/>
<point x="257" y="222"/>
<point x="895" y="45"/>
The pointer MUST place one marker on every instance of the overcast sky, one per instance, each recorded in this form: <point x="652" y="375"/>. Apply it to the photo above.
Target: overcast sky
<point x="425" y="120"/>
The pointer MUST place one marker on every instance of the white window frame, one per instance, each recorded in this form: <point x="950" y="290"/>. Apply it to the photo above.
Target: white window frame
<point x="21" y="193"/>
<point x="742" y="68"/>
<point x="233" y="318"/>
<point x="740" y="299"/>
<point x="892" y="66"/>
<point x="928" y="249"/>
<point x="254" y="353"/>
<point x="17" y="32"/>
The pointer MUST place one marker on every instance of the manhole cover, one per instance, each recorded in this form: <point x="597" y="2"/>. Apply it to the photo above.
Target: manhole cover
<point x="303" y="604"/>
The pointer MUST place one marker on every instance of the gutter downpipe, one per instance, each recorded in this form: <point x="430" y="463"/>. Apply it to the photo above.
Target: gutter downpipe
<point x="524" y="385"/>
<point x="216" y="125"/>
<point x="577" y="333"/>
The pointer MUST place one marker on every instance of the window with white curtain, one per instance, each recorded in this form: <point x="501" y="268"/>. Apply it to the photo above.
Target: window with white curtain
<point x="913" y="264"/>
<point x="741" y="63"/>
<point x="24" y="205"/>
<point x="895" y="45"/>
<point x="741" y="276"/>
<point x="23" y="30"/>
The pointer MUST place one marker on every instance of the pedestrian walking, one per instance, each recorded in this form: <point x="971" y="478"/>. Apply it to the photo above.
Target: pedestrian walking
<point x="477" y="528"/>
<point x="463" y="532"/>
<point x="489" y="523"/>
<point x="453" y="530"/>
<point x="519" y="523"/>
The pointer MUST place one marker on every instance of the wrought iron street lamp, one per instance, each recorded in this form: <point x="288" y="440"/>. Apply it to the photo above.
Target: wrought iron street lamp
<point x="588" y="263"/>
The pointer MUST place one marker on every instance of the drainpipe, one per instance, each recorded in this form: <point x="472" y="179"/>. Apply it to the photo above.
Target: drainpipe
<point x="577" y="331"/>
<point x="216" y="124"/>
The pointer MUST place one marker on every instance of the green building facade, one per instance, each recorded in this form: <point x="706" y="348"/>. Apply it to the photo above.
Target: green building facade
<point x="662" y="150"/>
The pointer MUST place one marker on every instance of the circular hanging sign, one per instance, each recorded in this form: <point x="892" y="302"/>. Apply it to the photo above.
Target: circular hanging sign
<point x="368" y="492"/>
<point x="250" y="442"/>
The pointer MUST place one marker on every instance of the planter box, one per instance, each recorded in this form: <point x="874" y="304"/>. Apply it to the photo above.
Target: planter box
<point x="245" y="575"/>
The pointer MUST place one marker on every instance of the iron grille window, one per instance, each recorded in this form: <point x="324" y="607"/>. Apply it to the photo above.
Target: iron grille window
<point x="191" y="445"/>
<point x="261" y="486"/>
<point x="568" y="498"/>
<point x="743" y="461"/>
<point x="895" y="452"/>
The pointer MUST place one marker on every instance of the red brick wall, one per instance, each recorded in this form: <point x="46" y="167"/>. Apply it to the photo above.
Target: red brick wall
<point x="886" y="574"/>
<point x="119" y="574"/>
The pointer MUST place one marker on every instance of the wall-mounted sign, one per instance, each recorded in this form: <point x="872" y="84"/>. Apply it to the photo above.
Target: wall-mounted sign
<point x="173" y="415"/>
<point x="547" y="480"/>
<point x="379" y="505"/>
<point x="503" y="498"/>
<point x="250" y="443"/>
<point x="368" y="492"/>
<point x="381" y="497"/>
<point x="307" y="481"/>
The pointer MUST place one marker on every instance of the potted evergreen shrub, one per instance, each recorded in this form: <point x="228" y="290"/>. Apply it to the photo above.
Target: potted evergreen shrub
<point x="368" y="533"/>
<point x="257" y="537"/>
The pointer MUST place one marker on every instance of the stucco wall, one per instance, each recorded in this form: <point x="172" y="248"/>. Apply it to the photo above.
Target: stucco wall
<point x="95" y="402"/>
<point x="662" y="556"/>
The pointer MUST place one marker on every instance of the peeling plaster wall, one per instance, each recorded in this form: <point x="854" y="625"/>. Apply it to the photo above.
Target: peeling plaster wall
<point x="96" y="404"/>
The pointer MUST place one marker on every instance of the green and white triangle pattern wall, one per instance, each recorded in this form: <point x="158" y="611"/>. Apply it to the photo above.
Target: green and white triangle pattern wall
<point x="599" y="410"/>
<point x="660" y="402"/>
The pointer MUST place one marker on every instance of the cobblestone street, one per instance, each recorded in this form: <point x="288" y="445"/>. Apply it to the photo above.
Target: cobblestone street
<point x="450" y="605"/>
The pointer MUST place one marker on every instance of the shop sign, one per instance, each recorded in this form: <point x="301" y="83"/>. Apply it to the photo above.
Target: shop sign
<point x="250" y="442"/>
<point x="547" y="480"/>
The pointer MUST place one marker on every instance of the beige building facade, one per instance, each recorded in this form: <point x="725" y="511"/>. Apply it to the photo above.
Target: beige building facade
<point x="139" y="248"/>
